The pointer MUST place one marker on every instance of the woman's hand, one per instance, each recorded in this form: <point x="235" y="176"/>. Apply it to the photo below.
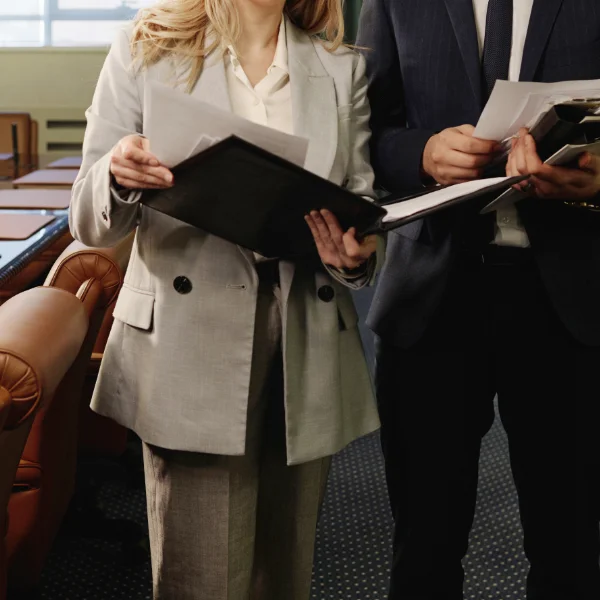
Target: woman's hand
<point x="336" y="248"/>
<point x="558" y="183"/>
<point x="135" y="168"/>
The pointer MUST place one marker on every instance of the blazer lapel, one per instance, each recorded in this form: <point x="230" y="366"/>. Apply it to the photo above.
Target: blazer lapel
<point x="212" y="86"/>
<point x="314" y="102"/>
<point x="314" y="106"/>
<point x="543" y="16"/>
<point x="463" y="20"/>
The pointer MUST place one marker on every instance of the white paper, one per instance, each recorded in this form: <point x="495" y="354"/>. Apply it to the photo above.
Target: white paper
<point x="536" y="105"/>
<point x="180" y="126"/>
<point x="516" y="104"/>
<point x="571" y="152"/>
<point x="407" y="208"/>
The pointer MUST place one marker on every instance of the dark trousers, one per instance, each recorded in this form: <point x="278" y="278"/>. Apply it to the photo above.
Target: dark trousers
<point x="495" y="333"/>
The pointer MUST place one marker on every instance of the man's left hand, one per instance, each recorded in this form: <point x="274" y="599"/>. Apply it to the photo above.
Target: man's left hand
<point x="558" y="183"/>
<point x="336" y="248"/>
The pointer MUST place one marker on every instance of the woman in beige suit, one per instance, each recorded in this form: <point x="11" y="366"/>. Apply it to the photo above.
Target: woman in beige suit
<point x="241" y="375"/>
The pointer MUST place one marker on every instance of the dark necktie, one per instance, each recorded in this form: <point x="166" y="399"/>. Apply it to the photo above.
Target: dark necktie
<point x="497" y="44"/>
<point x="480" y="229"/>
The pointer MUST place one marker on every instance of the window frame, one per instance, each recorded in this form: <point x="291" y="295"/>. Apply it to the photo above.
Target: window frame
<point x="52" y="13"/>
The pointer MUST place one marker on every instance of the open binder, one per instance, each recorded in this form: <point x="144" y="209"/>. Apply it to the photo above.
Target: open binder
<point x="257" y="200"/>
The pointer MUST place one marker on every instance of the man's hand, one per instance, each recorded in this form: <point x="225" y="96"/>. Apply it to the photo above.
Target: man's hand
<point x="336" y="248"/>
<point x="557" y="183"/>
<point x="455" y="156"/>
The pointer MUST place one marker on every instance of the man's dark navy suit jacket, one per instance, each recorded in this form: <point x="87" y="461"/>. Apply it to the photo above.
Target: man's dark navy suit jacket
<point x="425" y="75"/>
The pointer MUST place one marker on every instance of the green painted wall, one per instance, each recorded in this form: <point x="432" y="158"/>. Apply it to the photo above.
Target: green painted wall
<point x="352" y="8"/>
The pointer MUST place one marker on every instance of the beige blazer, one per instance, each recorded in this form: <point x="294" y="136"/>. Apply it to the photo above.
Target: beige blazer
<point x="177" y="366"/>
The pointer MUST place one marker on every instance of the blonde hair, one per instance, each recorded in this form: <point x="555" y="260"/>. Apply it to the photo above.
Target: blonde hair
<point x="183" y="27"/>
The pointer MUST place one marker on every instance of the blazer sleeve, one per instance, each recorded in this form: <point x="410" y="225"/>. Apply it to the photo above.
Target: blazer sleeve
<point x="99" y="215"/>
<point x="396" y="149"/>
<point x="359" y="177"/>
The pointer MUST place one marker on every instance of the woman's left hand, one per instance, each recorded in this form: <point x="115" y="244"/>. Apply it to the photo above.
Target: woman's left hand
<point x="336" y="248"/>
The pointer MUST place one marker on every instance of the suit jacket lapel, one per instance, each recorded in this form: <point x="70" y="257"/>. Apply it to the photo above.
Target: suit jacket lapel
<point x="212" y="86"/>
<point x="463" y="20"/>
<point x="314" y="102"/>
<point x="543" y="16"/>
<point x="314" y="106"/>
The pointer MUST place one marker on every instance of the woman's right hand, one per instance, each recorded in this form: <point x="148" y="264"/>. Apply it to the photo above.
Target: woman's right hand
<point x="134" y="167"/>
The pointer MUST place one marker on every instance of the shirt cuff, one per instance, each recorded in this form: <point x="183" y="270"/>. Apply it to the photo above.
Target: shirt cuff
<point x="352" y="274"/>
<point x="124" y="196"/>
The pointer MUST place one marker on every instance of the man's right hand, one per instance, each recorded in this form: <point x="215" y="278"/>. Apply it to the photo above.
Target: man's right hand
<point x="455" y="156"/>
<point x="134" y="167"/>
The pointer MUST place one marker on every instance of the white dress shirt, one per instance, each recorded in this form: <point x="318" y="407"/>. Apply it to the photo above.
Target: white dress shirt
<point x="510" y="230"/>
<point x="269" y="102"/>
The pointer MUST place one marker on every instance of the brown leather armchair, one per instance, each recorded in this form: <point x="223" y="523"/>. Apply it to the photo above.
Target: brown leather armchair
<point x="45" y="479"/>
<point x="41" y="335"/>
<point x="77" y="264"/>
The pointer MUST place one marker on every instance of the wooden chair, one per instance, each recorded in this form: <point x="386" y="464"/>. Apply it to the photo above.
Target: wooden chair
<point x="19" y="135"/>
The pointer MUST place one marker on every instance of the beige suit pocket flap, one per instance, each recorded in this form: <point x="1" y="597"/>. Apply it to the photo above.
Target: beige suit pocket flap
<point x="135" y="308"/>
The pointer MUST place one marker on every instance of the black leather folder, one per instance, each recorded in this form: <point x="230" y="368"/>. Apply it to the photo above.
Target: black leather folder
<point x="250" y="197"/>
<point x="569" y="123"/>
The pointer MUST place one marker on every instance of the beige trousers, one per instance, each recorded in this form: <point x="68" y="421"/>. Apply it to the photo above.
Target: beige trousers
<point x="238" y="528"/>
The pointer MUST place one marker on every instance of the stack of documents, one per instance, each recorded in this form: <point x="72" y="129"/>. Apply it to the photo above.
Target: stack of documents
<point x="517" y="104"/>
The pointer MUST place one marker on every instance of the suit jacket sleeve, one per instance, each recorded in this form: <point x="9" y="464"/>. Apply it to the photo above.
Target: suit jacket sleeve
<point x="99" y="215"/>
<point x="397" y="150"/>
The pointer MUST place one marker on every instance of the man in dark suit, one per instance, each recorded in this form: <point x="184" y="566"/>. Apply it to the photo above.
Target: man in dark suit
<point x="467" y="308"/>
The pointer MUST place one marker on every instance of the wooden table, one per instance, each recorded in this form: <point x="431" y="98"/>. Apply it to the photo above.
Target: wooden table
<point x="35" y="199"/>
<point x="70" y="162"/>
<point x="16" y="256"/>
<point x="47" y="178"/>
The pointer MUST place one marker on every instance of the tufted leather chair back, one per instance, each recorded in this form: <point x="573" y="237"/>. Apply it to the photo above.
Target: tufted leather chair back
<point x="98" y="435"/>
<point x="45" y="478"/>
<point x="41" y="334"/>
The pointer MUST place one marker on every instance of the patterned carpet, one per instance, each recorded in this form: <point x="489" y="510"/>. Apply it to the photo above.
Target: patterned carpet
<point x="353" y="544"/>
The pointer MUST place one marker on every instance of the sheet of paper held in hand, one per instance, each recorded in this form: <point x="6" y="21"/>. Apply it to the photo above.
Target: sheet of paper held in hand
<point x="407" y="208"/>
<point x="180" y="126"/>
<point x="565" y="156"/>
<point x="517" y="104"/>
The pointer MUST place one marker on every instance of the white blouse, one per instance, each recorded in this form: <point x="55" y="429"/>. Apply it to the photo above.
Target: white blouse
<point x="269" y="102"/>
